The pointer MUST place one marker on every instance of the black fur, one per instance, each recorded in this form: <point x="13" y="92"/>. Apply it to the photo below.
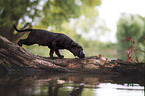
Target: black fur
<point x="54" y="41"/>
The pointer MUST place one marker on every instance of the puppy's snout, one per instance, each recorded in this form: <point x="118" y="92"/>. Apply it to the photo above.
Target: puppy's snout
<point x="81" y="55"/>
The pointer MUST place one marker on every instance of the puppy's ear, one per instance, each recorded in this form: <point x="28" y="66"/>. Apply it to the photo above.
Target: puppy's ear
<point x="75" y="49"/>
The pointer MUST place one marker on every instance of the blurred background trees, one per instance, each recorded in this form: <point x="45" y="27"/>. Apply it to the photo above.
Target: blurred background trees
<point x="13" y="11"/>
<point x="41" y="12"/>
<point x="131" y="27"/>
<point x="76" y="18"/>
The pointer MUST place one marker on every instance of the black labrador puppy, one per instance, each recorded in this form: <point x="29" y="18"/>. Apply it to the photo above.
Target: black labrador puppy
<point x="54" y="41"/>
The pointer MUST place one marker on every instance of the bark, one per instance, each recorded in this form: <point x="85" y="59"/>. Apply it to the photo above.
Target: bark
<point x="14" y="58"/>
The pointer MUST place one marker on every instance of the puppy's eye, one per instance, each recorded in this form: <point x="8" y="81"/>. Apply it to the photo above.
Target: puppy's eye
<point x="80" y="48"/>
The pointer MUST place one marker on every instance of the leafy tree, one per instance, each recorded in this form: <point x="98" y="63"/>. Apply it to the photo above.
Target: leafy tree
<point x="56" y="15"/>
<point x="130" y="26"/>
<point x="43" y="12"/>
<point x="11" y="12"/>
<point x="56" y="12"/>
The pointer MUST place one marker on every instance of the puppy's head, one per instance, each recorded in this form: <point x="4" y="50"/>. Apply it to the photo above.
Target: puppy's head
<point x="77" y="50"/>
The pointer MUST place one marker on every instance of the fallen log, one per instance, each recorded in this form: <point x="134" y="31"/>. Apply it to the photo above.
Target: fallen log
<point x="14" y="58"/>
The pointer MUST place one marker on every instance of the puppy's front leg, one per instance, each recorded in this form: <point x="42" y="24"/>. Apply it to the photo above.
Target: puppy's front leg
<point x="51" y="54"/>
<point x="58" y="54"/>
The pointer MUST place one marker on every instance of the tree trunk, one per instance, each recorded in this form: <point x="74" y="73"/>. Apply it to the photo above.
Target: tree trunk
<point x="10" y="34"/>
<point x="14" y="58"/>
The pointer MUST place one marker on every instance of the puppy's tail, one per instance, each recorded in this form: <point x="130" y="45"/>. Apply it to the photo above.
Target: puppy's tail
<point x="21" y="30"/>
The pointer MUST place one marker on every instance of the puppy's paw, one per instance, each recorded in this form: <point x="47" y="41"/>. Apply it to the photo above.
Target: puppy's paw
<point x="20" y="44"/>
<point x="52" y="57"/>
<point x="61" y="57"/>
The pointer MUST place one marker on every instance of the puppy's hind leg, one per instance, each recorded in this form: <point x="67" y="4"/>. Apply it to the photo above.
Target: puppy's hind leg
<point x="26" y="42"/>
<point x="22" y="41"/>
<point x="58" y="54"/>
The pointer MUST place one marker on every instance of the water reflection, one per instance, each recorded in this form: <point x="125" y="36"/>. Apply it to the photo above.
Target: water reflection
<point x="70" y="85"/>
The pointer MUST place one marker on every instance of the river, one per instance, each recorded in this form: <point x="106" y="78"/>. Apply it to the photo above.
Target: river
<point x="59" y="84"/>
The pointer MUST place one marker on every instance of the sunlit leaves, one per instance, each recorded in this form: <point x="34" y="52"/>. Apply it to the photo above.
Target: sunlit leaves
<point x="130" y="27"/>
<point x="12" y="11"/>
<point x="55" y="12"/>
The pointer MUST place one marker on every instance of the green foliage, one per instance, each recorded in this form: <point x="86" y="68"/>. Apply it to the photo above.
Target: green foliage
<point x="130" y="26"/>
<point x="11" y="11"/>
<point x="37" y="50"/>
<point x="42" y="13"/>
<point x="56" y="12"/>
<point x="91" y="47"/>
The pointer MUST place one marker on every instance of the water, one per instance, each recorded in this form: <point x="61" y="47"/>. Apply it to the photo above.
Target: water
<point x="70" y="85"/>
